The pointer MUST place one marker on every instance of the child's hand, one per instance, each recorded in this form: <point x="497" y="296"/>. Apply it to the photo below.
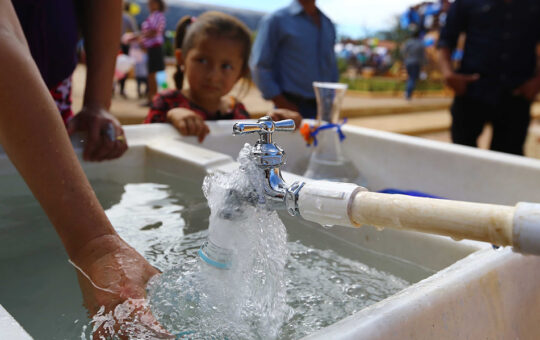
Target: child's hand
<point x="281" y="114"/>
<point x="188" y="123"/>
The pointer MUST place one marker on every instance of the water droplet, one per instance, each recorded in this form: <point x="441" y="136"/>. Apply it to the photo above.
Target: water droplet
<point x="327" y="226"/>
<point x="457" y="238"/>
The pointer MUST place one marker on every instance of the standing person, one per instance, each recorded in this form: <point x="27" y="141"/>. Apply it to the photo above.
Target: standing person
<point x="33" y="136"/>
<point x="294" y="47"/>
<point x="497" y="80"/>
<point x="212" y="51"/>
<point x="413" y="57"/>
<point x="128" y="26"/>
<point x="141" y="69"/>
<point x="153" y="29"/>
<point x="51" y="29"/>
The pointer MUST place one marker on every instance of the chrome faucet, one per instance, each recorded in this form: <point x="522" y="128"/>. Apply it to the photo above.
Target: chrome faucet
<point x="270" y="157"/>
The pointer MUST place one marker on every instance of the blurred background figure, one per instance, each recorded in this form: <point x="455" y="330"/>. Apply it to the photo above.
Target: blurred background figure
<point x="129" y="25"/>
<point x="294" y="47"/>
<point x="496" y="80"/>
<point x="413" y="58"/>
<point x="153" y="29"/>
<point x="141" y="69"/>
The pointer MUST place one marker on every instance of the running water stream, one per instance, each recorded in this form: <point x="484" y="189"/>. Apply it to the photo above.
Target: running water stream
<point x="246" y="300"/>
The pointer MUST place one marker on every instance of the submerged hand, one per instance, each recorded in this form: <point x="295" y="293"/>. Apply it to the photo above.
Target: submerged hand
<point x="113" y="278"/>
<point x="105" y="136"/>
<point x="281" y="114"/>
<point x="188" y="123"/>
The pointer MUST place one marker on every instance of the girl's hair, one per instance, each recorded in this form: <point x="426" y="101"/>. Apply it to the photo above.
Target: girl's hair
<point x="211" y="24"/>
<point x="161" y="5"/>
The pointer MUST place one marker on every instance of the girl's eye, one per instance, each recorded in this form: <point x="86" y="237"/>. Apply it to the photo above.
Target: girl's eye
<point x="202" y="61"/>
<point x="227" y="66"/>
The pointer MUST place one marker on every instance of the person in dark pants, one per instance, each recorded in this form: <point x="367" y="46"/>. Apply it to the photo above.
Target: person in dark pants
<point x="497" y="80"/>
<point x="413" y="55"/>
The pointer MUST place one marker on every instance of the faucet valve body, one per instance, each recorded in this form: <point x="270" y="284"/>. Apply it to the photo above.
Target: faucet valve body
<point x="270" y="157"/>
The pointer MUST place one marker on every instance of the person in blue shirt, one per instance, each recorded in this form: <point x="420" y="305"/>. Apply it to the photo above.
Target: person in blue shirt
<point x="294" y="47"/>
<point x="496" y="81"/>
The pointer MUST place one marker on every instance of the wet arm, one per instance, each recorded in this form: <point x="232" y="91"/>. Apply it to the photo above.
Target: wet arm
<point x="449" y="35"/>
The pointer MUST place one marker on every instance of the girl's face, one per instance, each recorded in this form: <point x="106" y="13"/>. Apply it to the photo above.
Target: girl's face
<point x="212" y="67"/>
<point x="153" y="5"/>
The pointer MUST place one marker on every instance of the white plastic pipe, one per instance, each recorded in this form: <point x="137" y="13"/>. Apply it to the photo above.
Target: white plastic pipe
<point x="350" y="205"/>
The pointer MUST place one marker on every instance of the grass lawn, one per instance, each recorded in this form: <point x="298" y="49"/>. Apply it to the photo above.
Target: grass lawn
<point x="388" y="84"/>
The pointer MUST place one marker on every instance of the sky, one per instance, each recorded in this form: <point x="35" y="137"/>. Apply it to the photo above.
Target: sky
<point x="354" y="18"/>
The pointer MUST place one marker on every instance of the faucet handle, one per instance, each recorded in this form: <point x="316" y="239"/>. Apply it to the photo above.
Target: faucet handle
<point x="245" y="128"/>
<point x="264" y="126"/>
<point x="285" y="125"/>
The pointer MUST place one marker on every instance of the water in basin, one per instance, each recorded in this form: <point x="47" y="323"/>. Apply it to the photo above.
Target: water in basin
<point x="165" y="218"/>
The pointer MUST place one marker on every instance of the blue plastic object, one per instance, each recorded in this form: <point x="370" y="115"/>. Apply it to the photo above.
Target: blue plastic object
<point x="329" y="126"/>
<point x="409" y="193"/>
<point x="161" y="79"/>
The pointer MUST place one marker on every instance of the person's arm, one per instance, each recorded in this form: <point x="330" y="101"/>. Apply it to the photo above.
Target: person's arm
<point x="403" y="50"/>
<point x="100" y="22"/>
<point x="455" y="24"/>
<point x="133" y="24"/>
<point x="32" y="134"/>
<point x="530" y="88"/>
<point x="335" y="70"/>
<point x="262" y="60"/>
<point x="34" y="137"/>
<point x="456" y="81"/>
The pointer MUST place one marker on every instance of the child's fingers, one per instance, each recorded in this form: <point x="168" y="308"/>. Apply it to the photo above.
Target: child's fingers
<point x="189" y="126"/>
<point x="192" y="126"/>
<point x="205" y="130"/>
<point x="181" y="126"/>
<point x="198" y="125"/>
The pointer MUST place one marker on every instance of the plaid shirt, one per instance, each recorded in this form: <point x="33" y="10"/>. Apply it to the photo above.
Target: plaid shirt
<point x="170" y="99"/>
<point x="155" y="21"/>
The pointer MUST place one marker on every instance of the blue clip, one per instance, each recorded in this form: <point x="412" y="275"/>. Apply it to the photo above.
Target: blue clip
<point x="329" y="126"/>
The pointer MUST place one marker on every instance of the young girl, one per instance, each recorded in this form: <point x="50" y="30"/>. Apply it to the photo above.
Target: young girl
<point x="152" y="40"/>
<point x="212" y="52"/>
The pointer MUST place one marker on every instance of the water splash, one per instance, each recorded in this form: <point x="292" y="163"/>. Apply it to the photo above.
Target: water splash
<point x="246" y="301"/>
<point x="256" y="298"/>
